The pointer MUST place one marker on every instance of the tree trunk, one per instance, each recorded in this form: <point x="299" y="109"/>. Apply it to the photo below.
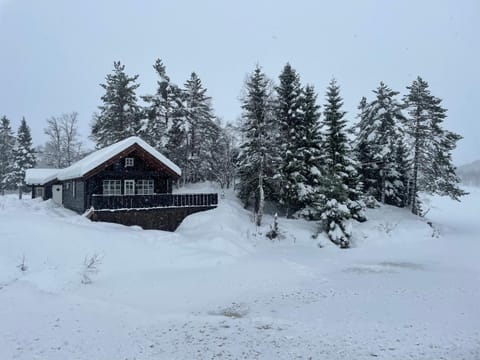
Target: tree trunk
<point x="413" y="194"/>
<point x="261" y="196"/>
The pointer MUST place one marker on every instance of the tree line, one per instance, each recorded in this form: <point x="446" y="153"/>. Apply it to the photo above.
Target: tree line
<point x="287" y="149"/>
<point x="177" y="121"/>
<point x="16" y="154"/>
<point x="311" y="163"/>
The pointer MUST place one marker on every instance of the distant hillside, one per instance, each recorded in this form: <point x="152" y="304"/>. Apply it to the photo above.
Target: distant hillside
<point x="470" y="173"/>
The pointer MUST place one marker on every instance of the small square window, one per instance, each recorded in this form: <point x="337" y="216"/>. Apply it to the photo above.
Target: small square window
<point x="39" y="192"/>
<point x="128" y="162"/>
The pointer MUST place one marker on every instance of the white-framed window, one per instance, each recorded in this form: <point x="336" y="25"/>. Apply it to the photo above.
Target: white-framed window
<point x="144" y="187"/>
<point x="39" y="191"/>
<point x="129" y="187"/>
<point x="128" y="161"/>
<point x="112" y="187"/>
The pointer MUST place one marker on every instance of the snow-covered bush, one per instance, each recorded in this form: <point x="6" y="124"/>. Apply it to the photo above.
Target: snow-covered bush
<point x="335" y="223"/>
<point x="274" y="231"/>
<point x="234" y="310"/>
<point x="90" y="267"/>
<point x="357" y="210"/>
<point x="371" y="202"/>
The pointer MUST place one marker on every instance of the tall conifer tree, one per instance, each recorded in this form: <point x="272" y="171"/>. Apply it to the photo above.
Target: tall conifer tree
<point x="258" y="163"/>
<point x="161" y="109"/>
<point x="380" y="129"/>
<point x="119" y="115"/>
<point x="23" y="156"/>
<point x="289" y="113"/>
<point x="7" y="143"/>
<point x="432" y="168"/>
<point x="340" y="188"/>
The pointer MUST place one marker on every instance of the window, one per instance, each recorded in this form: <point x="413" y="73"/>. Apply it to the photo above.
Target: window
<point x="112" y="187"/>
<point x="39" y="192"/>
<point x="74" y="190"/>
<point x="67" y="185"/>
<point x="129" y="187"/>
<point x="144" y="187"/>
<point x="128" y="162"/>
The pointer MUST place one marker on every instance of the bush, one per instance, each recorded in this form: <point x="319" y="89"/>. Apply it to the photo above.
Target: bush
<point x="90" y="267"/>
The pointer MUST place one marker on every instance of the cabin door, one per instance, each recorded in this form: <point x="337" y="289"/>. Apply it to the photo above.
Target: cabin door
<point x="57" y="194"/>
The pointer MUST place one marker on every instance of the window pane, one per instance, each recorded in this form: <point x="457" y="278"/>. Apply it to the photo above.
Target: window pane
<point x="144" y="187"/>
<point x="112" y="187"/>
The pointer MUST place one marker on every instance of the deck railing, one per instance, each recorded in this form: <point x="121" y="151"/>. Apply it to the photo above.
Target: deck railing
<point x="103" y="202"/>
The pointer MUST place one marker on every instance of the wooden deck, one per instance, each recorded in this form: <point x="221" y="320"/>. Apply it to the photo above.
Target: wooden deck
<point x="115" y="202"/>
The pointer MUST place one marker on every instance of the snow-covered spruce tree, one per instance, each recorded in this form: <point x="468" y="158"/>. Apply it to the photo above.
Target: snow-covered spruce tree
<point x="340" y="198"/>
<point x="432" y="168"/>
<point x="288" y="111"/>
<point x="160" y="109"/>
<point x="200" y="127"/>
<point x="258" y="161"/>
<point x="380" y="129"/>
<point x="403" y="170"/>
<point x="310" y="150"/>
<point x="177" y="141"/>
<point x="362" y="151"/>
<point x="23" y="156"/>
<point x="7" y="143"/>
<point x="119" y="115"/>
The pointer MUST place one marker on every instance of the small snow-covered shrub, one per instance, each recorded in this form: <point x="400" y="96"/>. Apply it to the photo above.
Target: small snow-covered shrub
<point x="357" y="210"/>
<point x="274" y="231"/>
<point x="371" y="202"/>
<point x="334" y="223"/>
<point x="388" y="227"/>
<point x="235" y="310"/>
<point x="90" y="267"/>
<point x="22" y="266"/>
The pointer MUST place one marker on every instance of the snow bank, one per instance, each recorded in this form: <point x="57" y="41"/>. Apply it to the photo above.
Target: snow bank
<point x="219" y="288"/>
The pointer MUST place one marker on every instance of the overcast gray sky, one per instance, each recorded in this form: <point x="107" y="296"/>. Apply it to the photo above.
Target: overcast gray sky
<point x="54" y="53"/>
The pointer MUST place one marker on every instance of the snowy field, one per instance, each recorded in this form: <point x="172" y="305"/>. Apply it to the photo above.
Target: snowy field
<point x="218" y="289"/>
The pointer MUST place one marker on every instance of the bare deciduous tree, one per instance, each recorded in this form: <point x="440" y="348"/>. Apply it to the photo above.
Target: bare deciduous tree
<point x="63" y="146"/>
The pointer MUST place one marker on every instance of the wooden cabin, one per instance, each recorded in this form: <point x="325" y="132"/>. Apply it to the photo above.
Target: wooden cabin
<point x="128" y="182"/>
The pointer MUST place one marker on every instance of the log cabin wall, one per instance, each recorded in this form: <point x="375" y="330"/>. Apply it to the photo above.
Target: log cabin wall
<point x="167" y="219"/>
<point x="118" y="171"/>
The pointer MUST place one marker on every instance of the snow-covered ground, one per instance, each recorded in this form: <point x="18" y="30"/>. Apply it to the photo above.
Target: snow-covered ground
<point x="217" y="288"/>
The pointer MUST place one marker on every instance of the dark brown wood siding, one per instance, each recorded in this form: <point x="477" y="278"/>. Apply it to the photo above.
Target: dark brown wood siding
<point x="74" y="195"/>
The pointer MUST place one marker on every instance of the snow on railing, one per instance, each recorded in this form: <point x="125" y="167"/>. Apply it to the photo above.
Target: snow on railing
<point x="100" y="202"/>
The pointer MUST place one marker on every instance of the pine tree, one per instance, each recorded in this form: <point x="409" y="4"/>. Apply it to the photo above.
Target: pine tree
<point x="362" y="151"/>
<point x="380" y="130"/>
<point x="119" y="115"/>
<point x="403" y="170"/>
<point x="200" y="128"/>
<point x="310" y="150"/>
<point x="7" y="143"/>
<point x="23" y="156"/>
<point x="432" y="168"/>
<point x="292" y="132"/>
<point x="340" y="198"/>
<point x="161" y="109"/>
<point x="259" y="159"/>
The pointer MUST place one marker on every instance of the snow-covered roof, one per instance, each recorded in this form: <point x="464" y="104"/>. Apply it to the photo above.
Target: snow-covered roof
<point x="90" y="162"/>
<point x="40" y="176"/>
